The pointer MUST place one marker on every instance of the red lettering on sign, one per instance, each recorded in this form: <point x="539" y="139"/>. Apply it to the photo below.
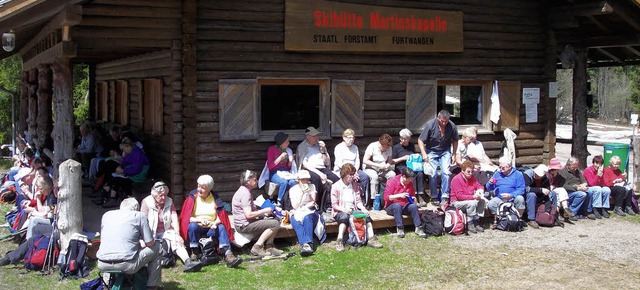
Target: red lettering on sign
<point x="337" y="19"/>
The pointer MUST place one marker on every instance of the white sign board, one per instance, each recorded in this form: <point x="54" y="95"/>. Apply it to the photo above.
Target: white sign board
<point x="553" y="90"/>
<point x="530" y="95"/>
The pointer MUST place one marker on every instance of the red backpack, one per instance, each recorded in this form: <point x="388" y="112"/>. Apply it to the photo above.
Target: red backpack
<point x="455" y="221"/>
<point x="36" y="256"/>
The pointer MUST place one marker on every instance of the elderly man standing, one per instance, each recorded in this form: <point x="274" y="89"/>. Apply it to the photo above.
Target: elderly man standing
<point x="435" y="143"/>
<point x="120" y="249"/>
<point x="202" y="215"/>
<point x="508" y="186"/>
<point x="576" y="186"/>
<point x="163" y="221"/>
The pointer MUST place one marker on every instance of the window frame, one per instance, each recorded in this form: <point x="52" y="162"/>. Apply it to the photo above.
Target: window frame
<point x="487" y="88"/>
<point x="297" y="134"/>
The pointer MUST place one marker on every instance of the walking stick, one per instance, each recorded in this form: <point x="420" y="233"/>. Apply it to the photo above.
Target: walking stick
<point x="49" y="259"/>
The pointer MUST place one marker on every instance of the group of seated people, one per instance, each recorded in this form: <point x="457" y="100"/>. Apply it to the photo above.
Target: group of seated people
<point x="111" y="162"/>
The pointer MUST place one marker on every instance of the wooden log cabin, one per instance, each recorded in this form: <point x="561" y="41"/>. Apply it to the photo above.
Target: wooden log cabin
<point x="207" y="84"/>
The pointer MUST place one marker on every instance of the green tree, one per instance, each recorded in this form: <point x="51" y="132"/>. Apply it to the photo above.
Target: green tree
<point x="81" y="93"/>
<point x="9" y="88"/>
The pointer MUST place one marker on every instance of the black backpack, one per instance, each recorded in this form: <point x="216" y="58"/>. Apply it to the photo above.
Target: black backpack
<point x="508" y="218"/>
<point x="432" y="223"/>
<point x="75" y="261"/>
<point x="167" y="259"/>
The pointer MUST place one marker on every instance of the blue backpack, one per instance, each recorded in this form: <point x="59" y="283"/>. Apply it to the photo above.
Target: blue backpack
<point x="36" y="257"/>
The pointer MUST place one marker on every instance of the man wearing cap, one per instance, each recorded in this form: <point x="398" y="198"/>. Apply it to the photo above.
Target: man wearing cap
<point x="399" y="199"/>
<point x="435" y="142"/>
<point x="279" y="162"/>
<point x="576" y="186"/>
<point x="538" y="189"/>
<point x="314" y="157"/>
<point x="163" y="221"/>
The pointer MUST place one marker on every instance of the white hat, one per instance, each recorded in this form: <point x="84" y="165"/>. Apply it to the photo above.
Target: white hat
<point x="541" y="170"/>
<point x="303" y="174"/>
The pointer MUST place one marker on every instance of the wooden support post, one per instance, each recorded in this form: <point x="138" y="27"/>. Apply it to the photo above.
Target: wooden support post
<point x="21" y="124"/>
<point x="33" y="103"/>
<point x="579" y="121"/>
<point x="44" y="119"/>
<point x="69" y="201"/>
<point x="636" y="161"/>
<point x="64" y="119"/>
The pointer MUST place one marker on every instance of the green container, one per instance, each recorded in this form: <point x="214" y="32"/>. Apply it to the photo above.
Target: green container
<point x="617" y="149"/>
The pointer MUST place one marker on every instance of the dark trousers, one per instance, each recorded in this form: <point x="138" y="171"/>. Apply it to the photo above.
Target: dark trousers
<point x="622" y="196"/>
<point x="396" y="210"/>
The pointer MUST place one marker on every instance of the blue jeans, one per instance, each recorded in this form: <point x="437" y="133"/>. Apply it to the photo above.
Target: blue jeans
<point x="577" y="201"/>
<point x="443" y="160"/>
<point x="599" y="197"/>
<point x="194" y="232"/>
<point x="304" y="229"/>
<point x="532" y="200"/>
<point x="396" y="210"/>
<point x="283" y="184"/>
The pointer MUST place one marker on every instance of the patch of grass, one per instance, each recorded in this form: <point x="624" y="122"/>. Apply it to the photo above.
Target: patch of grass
<point x="5" y="165"/>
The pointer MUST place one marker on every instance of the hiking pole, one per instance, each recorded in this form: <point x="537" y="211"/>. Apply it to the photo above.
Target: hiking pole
<point x="11" y="235"/>
<point x="284" y="257"/>
<point x="48" y="259"/>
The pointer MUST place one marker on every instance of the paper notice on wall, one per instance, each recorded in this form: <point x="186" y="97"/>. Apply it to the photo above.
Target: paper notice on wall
<point x="531" y="95"/>
<point x="553" y="90"/>
<point x="531" y="111"/>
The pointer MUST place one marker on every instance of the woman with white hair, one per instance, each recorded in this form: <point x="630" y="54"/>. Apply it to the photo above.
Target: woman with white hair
<point x="163" y="221"/>
<point x="347" y="152"/>
<point x="400" y="154"/>
<point x="615" y="179"/>
<point x="304" y="217"/>
<point x="249" y="219"/>
<point x="203" y="214"/>
<point x="469" y="148"/>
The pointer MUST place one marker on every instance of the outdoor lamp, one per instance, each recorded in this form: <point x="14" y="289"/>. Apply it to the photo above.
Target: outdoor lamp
<point x="9" y="41"/>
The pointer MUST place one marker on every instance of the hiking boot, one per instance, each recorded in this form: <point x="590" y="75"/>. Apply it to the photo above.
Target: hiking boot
<point x="420" y="232"/>
<point x="192" y="266"/>
<point x="618" y="210"/>
<point x="596" y="213"/>
<point x="306" y="250"/>
<point x="339" y="245"/>
<point x="591" y="216"/>
<point x="533" y="224"/>
<point x="630" y="211"/>
<point x="374" y="243"/>
<point x="478" y="226"/>
<point x="572" y="218"/>
<point x="471" y="228"/>
<point x="567" y="212"/>
<point x="258" y="250"/>
<point x="274" y="252"/>
<point x="5" y="261"/>
<point x="231" y="260"/>
<point x="605" y="213"/>
<point x="400" y="233"/>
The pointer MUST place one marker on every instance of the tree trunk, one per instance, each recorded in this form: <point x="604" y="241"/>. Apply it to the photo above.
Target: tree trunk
<point x="69" y="201"/>
<point x="21" y="124"/>
<point x="33" y="104"/>
<point x="63" y="104"/>
<point x="44" y="119"/>
<point x="636" y="160"/>
<point x="579" y="121"/>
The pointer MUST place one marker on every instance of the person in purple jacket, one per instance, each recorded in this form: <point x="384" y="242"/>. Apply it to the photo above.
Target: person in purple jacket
<point x="133" y="168"/>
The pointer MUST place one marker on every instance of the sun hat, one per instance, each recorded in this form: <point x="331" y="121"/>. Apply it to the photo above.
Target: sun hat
<point x="280" y="138"/>
<point x="311" y="131"/>
<point x="555" y="163"/>
<point x="541" y="170"/>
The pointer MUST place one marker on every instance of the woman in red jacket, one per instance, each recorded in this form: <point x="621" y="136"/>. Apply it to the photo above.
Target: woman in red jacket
<point x="468" y="195"/>
<point x="622" y="192"/>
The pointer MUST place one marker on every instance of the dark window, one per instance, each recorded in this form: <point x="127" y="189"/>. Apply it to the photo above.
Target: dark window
<point x="289" y="107"/>
<point x="465" y="103"/>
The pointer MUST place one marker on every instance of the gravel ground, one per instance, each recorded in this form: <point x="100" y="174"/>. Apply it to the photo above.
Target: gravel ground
<point x="613" y="240"/>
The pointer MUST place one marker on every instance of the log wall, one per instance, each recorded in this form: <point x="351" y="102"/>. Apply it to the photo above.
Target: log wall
<point x="243" y="39"/>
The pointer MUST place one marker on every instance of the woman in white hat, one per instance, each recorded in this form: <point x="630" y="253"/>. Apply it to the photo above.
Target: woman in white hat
<point x="304" y="217"/>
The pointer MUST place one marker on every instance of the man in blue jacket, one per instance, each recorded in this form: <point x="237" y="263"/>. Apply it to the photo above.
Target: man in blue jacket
<point x="507" y="185"/>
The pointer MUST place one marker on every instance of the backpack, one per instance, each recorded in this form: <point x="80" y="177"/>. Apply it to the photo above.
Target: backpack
<point x="36" y="256"/>
<point x="508" y="218"/>
<point x="8" y="195"/>
<point x="455" y="221"/>
<point x="357" y="231"/>
<point x="16" y="219"/>
<point x="75" y="262"/>
<point x="414" y="162"/>
<point x="432" y="223"/>
<point x="547" y="214"/>
<point x="167" y="259"/>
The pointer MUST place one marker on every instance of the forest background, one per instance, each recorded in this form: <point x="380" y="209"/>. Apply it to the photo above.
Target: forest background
<point x="614" y="94"/>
